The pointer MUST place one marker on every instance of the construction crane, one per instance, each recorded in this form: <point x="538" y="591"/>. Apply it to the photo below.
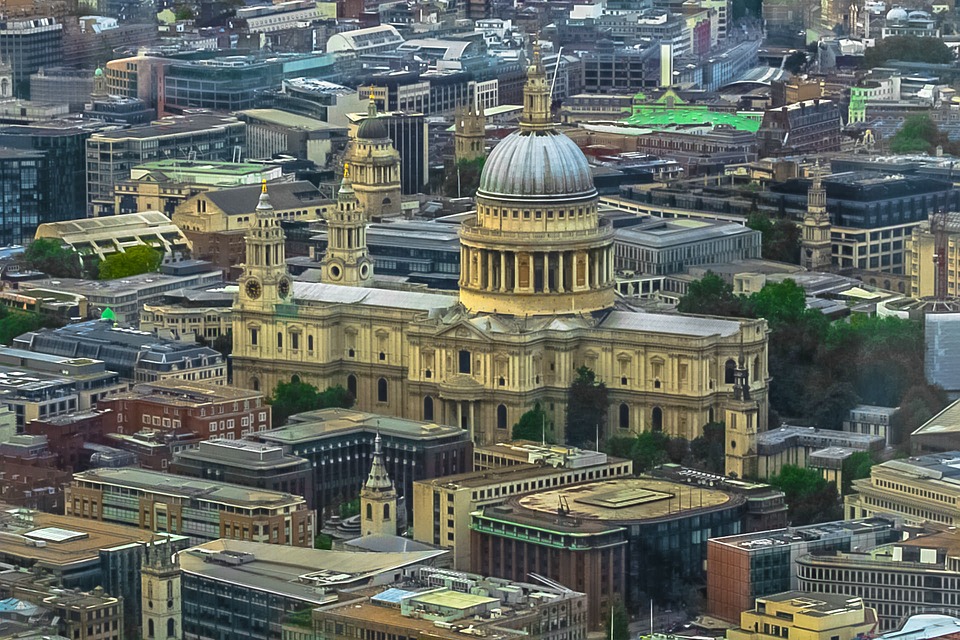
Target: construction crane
<point x="938" y="226"/>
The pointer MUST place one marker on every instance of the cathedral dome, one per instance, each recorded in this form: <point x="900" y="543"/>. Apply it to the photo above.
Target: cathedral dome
<point x="372" y="128"/>
<point x="536" y="164"/>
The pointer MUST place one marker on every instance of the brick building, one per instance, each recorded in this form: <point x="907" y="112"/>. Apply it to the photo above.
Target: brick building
<point x="29" y="476"/>
<point x="810" y="126"/>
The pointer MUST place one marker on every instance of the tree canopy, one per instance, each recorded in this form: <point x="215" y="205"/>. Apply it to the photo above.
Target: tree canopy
<point x="711" y="295"/>
<point x="51" y="257"/>
<point x="919" y="134"/>
<point x="132" y="262"/>
<point x="533" y="425"/>
<point x="290" y="398"/>
<point x="780" y="237"/>
<point x="907" y="49"/>
<point x="463" y="179"/>
<point x="586" y="408"/>
<point x="810" y="498"/>
<point x="16" y="323"/>
<point x="620" y="627"/>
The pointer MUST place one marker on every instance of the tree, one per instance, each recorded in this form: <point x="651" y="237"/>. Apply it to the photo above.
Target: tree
<point x="810" y="498"/>
<point x="183" y="12"/>
<point x="907" y="49"/>
<point x="648" y="450"/>
<point x="709" y="449"/>
<point x="464" y="178"/>
<point x="856" y="467"/>
<point x="780" y="303"/>
<point x="919" y="403"/>
<point x="134" y="261"/>
<point x="619" y="623"/>
<point x="17" y="323"/>
<point x="350" y="509"/>
<point x="290" y="398"/>
<point x="322" y="541"/>
<point x="919" y="134"/>
<point x="795" y="62"/>
<point x="780" y="238"/>
<point x="532" y="425"/>
<point x="586" y="407"/>
<point x="51" y="257"/>
<point x="711" y="295"/>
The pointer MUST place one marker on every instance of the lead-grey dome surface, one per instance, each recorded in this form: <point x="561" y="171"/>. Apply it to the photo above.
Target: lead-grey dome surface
<point x="536" y="163"/>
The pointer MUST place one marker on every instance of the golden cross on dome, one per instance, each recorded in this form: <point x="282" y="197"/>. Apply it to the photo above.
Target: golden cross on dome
<point x="346" y="169"/>
<point x="263" y="188"/>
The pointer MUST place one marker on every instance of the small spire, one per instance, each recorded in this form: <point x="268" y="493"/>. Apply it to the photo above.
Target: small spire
<point x="264" y="203"/>
<point x="263" y="187"/>
<point x="372" y="106"/>
<point x="346" y="171"/>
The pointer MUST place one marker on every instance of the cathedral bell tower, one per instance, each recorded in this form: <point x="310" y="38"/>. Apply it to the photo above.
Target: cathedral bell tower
<point x="160" y="593"/>
<point x="265" y="282"/>
<point x="375" y="167"/>
<point x="815" y="248"/>
<point x="470" y="134"/>
<point x="378" y="499"/>
<point x="346" y="260"/>
<point x="741" y="418"/>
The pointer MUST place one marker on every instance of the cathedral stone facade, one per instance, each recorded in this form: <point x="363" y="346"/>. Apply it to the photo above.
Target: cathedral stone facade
<point x="536" y="302"/>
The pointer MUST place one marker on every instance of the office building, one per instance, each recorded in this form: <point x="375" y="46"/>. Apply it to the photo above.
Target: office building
<point x="83" y="554"/>
<point x="252" y="464"/>
<point x="811" y="126"/>
<point x="202" y="409"/>
<point x="339" y="445"/>
<point x="140" y="77"/>
<point x="870" y="420"/>
<point x="800" y="446"/>
<point x="921" y="264"/>
<point x="666" y="247"/>
<point x="434" y="603"/>
<point x="64" y="144"/>
<point x="442" y="506"/>
<point x="62" y="84"/>
<point x="137" y="356"/>
<point x="590" y="537"/>
<point x="124" y="297"/>
<point x="201" y="509"/>
<point x="797" y="614"/>
<point x="188" y="314"/>
<point x="24" y="189"/>
<point x="919" y="489"/>
<point x="165" y="184"/>
<point x="272" y="132"/>
<point x="220" y="84"/>
<point x="246" y="590"/>
<point x="102" y="237"/>
<point x="904" y="578"/>
<point x="31" y="477"/>
<point x="111" y="155"/>
<point x="744" y="567"/>
<point x="27" y="45"/>
<point x="120" y="110"/>
<point x="359" y="42"/>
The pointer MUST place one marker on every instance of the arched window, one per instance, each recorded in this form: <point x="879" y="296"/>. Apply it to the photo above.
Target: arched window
<point x="352" y="385"/>
<point x="295" y="379"/>
<point x="309" y="343"/>
<point x="382" y="390"/>
<point x="728" y="370"/>
<point x="756" y="369"/>
<point x="624" y="416"/>
<point x="369" y="511"/>
<point x="279" y="340"/>
<point x="657" y="419"/>
<point x="427" y="408"/>
<point x="501" y="417"/>
<point x="169" y="591"/>
<point x="171" y="629"/>
<point x="255" y="384"/>
<point x="150" y="633"/>
<point x="386" y="512"/>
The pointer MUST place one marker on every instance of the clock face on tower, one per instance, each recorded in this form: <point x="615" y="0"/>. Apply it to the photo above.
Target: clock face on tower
<point x="253" y="289"/>
<point x="284" y="287"/>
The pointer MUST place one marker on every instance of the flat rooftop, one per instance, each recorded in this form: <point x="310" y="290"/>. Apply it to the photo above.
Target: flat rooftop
<point x="173" y="126"/>
<point x="626" y="499"/>
<point x="68" y="540"/>
<point x="309" y="426"/>
<point x="298" y="573"/>
<point x="812" y="533"/>
<point x="202" y="167"/>
<point x="200" y="489"/>
<point x="287" y="119"/>
<point x="486" y="477"/>
<point x="817" y="604"/>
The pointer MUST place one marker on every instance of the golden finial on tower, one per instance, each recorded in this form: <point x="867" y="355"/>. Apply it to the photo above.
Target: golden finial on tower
<point x="372" y="95"/>
<point x="263" y="186"/>
<point x="346" y="170"/>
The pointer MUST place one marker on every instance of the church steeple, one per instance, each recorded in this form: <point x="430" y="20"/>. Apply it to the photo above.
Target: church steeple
<point x="346" y="260"/>
<point x="378" y="499"/>
<point x="536" y="95"/>
<point x="265" y="280"/>
<point x="816" y="242"/>
<point x="160" y="593"/>
<point x="741" y="420"/>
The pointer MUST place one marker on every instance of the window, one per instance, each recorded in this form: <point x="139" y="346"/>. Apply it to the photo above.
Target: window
<point x="386" y="512"/>
<point x="309" y="343"/>
<point x="150" y="632"/>
<point x="382" y="390"/>
<point x="369" y="511"/>
<point x="464" y="361"/>
<point x="294" y="341"/>
<point x="657" y="419"/>
<point x="279" y="340"/>
<point x="728" y="371"/>
<point x="254" y="335"/>
<point x="352" y="385"/>
<point x="501" y="417"/>
<point x="427" y="408"/>
<point x="624" y="416"/>
<point x="171" y="629"/>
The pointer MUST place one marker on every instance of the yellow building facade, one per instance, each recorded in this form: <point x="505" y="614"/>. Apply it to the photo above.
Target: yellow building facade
<point x="921" y="263"/>
<point x="536" y="302"/>
<point x="796" y="615"/>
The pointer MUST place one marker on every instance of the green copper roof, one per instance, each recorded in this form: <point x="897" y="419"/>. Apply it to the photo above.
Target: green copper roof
<point x="108" y="314"/>
<point x="656" y="116"/>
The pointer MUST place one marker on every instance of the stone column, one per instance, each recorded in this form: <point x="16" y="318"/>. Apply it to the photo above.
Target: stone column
<point x="605" y="272"/>
<point x="516" y="272"/>
<point x="503" y="271"/>
<point x="473" y="423"/>
<point x="560" y="273"/>
<point x="586" y="269"/>
<point x="533" y="257"/>
<point x="489" y="284"/>
<point x="546" y="272"/>
<point x="460" y="414"/>
<point x="463" y="265"/>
